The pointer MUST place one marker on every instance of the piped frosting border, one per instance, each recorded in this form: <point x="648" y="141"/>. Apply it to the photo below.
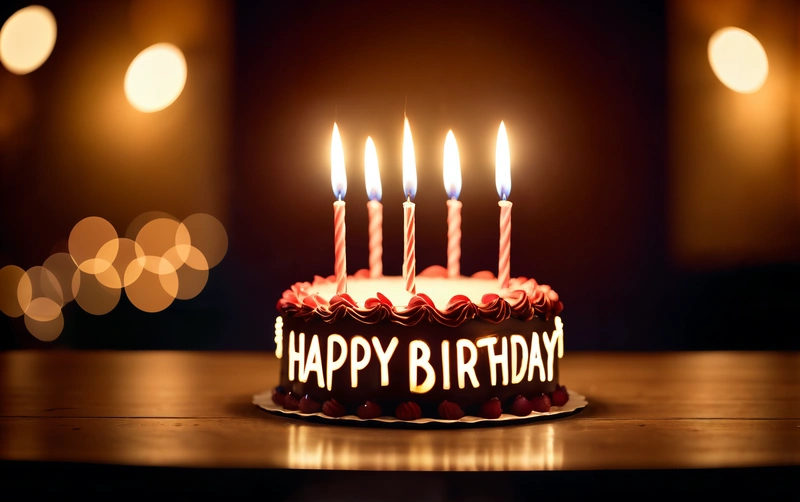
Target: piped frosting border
<point x="524" y="299"/>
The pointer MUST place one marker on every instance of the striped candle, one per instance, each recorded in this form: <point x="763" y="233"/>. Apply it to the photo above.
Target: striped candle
<point x="409" y="256"/>
<point x="372" y="178"/>
<point x="452" y="185"/>
<point x="410" y="189"/>
<point x="339" y="184"/>
<point x="503" y="183"/>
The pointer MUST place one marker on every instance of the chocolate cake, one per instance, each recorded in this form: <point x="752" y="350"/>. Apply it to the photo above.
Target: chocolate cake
<point x="459" y="346"/>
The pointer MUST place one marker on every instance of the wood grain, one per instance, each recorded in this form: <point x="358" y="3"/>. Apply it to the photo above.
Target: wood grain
<point x="674" y="410"/>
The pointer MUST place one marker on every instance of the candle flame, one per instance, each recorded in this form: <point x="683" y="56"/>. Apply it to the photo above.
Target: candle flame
<point x="372" y="175"/>
<point x="338" y="175"/>
<point x="409" y="163"/>
<point x="502" y="164"/>
<point x="452" y="167"/>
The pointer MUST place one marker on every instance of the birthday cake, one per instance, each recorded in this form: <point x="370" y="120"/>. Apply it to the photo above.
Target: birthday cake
<point x="460" y="346"/>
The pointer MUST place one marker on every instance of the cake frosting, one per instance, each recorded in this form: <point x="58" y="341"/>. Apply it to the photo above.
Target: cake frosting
<point x="460" y="345"/>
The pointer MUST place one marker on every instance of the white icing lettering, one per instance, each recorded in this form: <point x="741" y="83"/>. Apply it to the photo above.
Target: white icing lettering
<point x="495" y="359"/>
<point x="279" y="337"/>
<point x="549" y="346"/>
<point x="333" y="365"/>
<point x="313" y="363"/>
<point x="535" y="361"/>
<point x="419" y="355"/>
<point x="384" y="357"/>
<point x="296" y="355"/>
<point x="560" y="330"/>
<point x="468" y="367"/>
<point x="518" y="371"/>
<point x="357" y="364"/>
<point x="445" y="364"/>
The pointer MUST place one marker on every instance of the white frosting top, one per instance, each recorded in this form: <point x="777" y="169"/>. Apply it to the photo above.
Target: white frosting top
<point x="439" y="290"/>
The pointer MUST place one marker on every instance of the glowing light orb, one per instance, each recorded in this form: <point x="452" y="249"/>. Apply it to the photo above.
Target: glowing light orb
<point x="27" y="38"/>
<point x="155" y="78"/>
<point x="738" y="60"/>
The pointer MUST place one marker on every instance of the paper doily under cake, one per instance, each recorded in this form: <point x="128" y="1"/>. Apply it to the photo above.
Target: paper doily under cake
<point x="576" y="403"/>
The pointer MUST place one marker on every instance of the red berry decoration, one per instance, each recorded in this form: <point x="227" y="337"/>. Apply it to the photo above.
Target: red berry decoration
<point x="278" y="396"/>
<point x="308" y="405"/>
<point x="560" y="396"/>
<point x="541" y="403"/>
<point x="450" y="411"/>
<point x="333" y="408"/>
<point x="370" y="409"/>
<point x="408" y="411"/>
<point x="522" y="406"/>
<point x="291" y="402"/>
<point x="491" y="408"/>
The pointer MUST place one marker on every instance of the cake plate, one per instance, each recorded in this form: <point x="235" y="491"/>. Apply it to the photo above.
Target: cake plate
<point x="575" y="404"/>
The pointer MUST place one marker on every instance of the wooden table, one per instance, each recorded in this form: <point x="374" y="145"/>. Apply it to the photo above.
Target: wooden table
<point x="646" y="411"/>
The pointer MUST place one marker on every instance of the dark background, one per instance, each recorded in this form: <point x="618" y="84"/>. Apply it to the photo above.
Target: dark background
<point x="608" y="106"/>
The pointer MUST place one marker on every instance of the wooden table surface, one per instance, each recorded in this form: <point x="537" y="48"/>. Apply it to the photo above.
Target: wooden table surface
<point x="193" y="409"/>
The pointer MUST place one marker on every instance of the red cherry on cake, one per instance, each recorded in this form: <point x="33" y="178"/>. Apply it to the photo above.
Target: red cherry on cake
<point x="308" y="405"/>
<point x="408" y="411"/>
<point x="560" y="396"/>
<point x="491" y="408"/>
<point x="291" y="402"/>
<point x="333" y="408"/>
<point x="541" y="403"/>
<point x="278" y="395"/>
<point x="450" y="411"/>
<point x="370" y="409"/>
<point x="522" y="406"/>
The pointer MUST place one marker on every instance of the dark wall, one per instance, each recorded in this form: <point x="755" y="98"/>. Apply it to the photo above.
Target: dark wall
<point x="582" y="88"/>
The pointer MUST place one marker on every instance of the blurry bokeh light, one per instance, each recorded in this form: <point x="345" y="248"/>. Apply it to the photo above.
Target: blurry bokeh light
<point x="63" y="268"/>
<point x="120" y="274"/>
<point x="38" y="282"/>
<point x="92" y="295"/>
<point x="43" y="309"/>
<point x="143" y="219"/>
<point x="208" y="235"/>
<point x="154" y="291"/>
<point x="168" y="260"/>
<point x="46" y="331"/>
<point x="86" y="240"/>
<point x="27" y="38"/>
<point x="738" y="60"/>
<point x="155" y="78"/>
<point x="157" y="237"/>
<point x="10" y="276"/>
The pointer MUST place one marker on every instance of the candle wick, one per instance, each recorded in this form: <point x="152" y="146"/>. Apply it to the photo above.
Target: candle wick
<point x="504" y="196"/>
<point x="408" y="198"/>
<point x="340" y="197"/>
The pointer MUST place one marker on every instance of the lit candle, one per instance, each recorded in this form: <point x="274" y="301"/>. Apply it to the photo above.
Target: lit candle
<point x="410" y="189"/>
<point x="452" y="185"/>
<point x="374" y="208"/>
<point x="503" y="182"/>
<point x="339" y="184"/>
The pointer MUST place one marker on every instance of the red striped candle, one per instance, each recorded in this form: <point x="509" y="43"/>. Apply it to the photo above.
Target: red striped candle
<point x="372" y="178"/>
<point x="452" y="185"/>
<point x="503" y="183"/>
<point x="339" y="184"/>
<point x="410" y="189"/>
